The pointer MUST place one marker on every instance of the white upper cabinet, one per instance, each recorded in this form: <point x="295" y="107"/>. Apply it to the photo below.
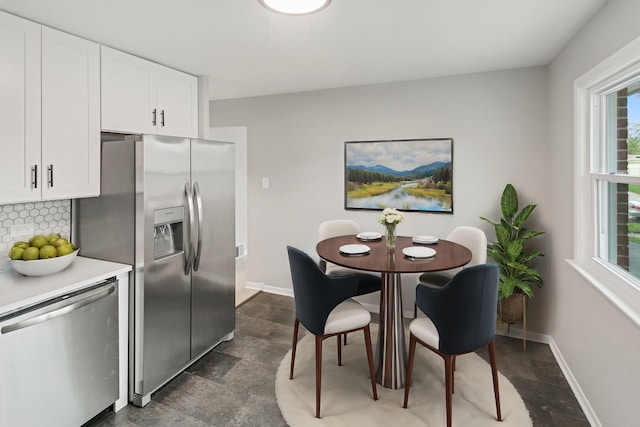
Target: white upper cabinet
<point x="49" y="113"/>
<point x="70" y="116"/>
<point x="177" y="103"/>
<point x="139" y="96"/>
<point x="19" y="109"/>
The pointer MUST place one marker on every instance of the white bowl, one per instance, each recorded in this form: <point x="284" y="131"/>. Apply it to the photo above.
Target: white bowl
<point x="43" y="267"/>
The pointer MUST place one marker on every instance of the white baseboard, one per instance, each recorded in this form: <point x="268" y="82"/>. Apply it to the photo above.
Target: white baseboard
<point x="516" y="332"/>
<point x="575" y="386"/>
<point x="260" y="286"/>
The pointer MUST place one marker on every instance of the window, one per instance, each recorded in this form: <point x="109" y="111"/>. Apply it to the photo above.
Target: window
<point x="607" y="178"/>
<point x="616" y="177"/>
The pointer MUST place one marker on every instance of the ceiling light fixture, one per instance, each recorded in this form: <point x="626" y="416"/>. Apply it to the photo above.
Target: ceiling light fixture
<point x="295" y="7"/>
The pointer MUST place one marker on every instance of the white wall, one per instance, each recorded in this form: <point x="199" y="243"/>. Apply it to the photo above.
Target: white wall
<point x="497" y="120"/>
<point x="598" y="342"/>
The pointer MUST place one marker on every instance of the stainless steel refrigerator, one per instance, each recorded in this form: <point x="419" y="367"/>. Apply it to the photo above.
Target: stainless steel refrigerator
<point x="167" y="207"/>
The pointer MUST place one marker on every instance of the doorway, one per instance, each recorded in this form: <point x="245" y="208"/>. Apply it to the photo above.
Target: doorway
<point x="238" y="135"/>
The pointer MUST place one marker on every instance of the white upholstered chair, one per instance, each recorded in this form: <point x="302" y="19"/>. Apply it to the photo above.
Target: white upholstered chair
<point x="472" y="238"/>
<point x="367" y="283"/>
<point x="334" y="228"/>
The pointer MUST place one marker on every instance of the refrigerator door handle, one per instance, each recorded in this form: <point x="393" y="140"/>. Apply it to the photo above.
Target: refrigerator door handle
<point x="186" y="235"/>
<point x="198" y="203"/>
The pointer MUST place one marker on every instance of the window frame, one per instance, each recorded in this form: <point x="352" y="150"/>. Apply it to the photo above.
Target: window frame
<point x="590" y="90"/>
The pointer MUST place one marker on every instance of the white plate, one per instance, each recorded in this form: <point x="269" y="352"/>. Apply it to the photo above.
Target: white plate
<point x="369" y="235"/>
<point x="419" y="252"/>
<point x="354" y="249"/>
<point x="425" y="240"/>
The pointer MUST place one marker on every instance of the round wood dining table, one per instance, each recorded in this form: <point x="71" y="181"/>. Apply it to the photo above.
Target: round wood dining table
<point x="391" y="351"/>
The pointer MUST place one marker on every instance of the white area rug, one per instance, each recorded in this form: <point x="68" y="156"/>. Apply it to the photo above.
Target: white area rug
<point x="346" y="398"/>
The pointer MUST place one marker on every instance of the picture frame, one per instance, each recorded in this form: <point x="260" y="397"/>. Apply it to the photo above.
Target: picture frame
<point x="413" y="175"/>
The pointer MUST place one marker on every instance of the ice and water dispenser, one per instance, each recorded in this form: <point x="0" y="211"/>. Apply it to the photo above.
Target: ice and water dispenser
<point x="167" y="231"/>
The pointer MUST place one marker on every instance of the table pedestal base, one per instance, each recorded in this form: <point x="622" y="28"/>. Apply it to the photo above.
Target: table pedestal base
<point x="391" y="352"/>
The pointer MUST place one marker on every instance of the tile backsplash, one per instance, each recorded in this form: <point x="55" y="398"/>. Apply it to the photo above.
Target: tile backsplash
<point x="47" y="217"/>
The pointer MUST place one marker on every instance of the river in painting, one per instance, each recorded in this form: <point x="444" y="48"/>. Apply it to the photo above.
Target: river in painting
<point x="396" y="198"/>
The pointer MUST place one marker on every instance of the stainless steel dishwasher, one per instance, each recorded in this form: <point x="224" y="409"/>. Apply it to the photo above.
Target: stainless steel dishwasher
<point x="59" y="358"/>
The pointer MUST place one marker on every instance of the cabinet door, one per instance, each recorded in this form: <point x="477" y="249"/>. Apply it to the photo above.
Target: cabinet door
<point x="70" y="116"/>
<point x="177" y="103"/>
<point x="128" y="93"/>
<point x="19" y="109"/>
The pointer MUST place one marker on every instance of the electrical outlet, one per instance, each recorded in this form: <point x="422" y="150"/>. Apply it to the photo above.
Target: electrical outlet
<point x="19" y="230"/>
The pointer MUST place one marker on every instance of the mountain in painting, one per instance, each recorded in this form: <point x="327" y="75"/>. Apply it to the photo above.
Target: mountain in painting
<point x="416" y="173"/>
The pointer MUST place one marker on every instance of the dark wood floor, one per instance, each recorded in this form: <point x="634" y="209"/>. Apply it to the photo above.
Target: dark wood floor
<point x="233" y="385"/>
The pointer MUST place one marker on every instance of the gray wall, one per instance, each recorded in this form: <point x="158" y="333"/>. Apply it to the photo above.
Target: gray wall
<point x="599" y="343"/>
<point x="497" y="121"/>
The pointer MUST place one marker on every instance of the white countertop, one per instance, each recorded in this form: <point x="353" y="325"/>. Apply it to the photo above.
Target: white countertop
<point x="17" y="291"/>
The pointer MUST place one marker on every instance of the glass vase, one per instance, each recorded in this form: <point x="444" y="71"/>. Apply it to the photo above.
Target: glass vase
<point x="391" y="236"/>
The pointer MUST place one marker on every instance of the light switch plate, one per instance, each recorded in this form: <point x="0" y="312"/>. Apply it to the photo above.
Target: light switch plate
<point x="19" y="230"/>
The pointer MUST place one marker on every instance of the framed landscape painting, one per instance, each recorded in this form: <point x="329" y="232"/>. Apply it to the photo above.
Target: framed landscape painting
<point x="407" y="174"/>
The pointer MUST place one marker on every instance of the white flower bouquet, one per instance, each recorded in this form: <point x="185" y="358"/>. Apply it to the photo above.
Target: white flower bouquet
<point x="390" y="218"/>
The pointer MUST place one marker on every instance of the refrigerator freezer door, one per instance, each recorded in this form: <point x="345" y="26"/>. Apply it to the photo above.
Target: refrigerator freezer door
<point x="163" y="293"/>
<point x="213" y="237"/>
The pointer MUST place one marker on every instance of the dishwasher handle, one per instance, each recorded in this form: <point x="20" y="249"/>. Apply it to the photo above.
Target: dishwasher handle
<point x="89" y="298"/>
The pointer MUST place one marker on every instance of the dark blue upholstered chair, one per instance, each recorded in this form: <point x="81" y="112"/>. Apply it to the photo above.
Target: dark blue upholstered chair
<point x="324" y="306"/>
<point x="461" y="317"/>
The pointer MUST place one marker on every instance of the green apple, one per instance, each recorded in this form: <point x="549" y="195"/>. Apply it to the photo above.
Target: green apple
<point x="23" y="245"/>
<point x="16" y="252"/>
<point x="38" y="241"/>
<point x="65" y="249"/>
<point x="48" y="251"/>
<point x="31" y="253"/>
<point x="59" y="242"/>
<point x="53" y="237"/>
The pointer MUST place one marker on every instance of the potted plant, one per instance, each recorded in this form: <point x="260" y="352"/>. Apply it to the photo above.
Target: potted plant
<point x="517" y="277"/>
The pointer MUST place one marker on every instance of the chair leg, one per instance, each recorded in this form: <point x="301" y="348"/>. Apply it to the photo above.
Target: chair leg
<point x="345" y="339"/>
<point x="339" y="350"/>
<point x="448" y="373"/>
<point x="318" y="373"/>
<point x="294" y="345"/>
<point x="494" y="373"/>
<point x="367" y="341"/>
<point x="412" y="353"/>
<point x="453" y="376"/>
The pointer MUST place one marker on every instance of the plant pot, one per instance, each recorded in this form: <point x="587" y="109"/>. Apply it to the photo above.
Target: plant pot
<point x="513" y="309"/>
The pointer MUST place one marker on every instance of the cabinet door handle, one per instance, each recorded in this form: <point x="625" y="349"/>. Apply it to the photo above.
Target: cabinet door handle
<point x="50" y="173"/>
<point x="153" y="120"/>
<point x="34" y="176"/>
<point x="162" y="118"/>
